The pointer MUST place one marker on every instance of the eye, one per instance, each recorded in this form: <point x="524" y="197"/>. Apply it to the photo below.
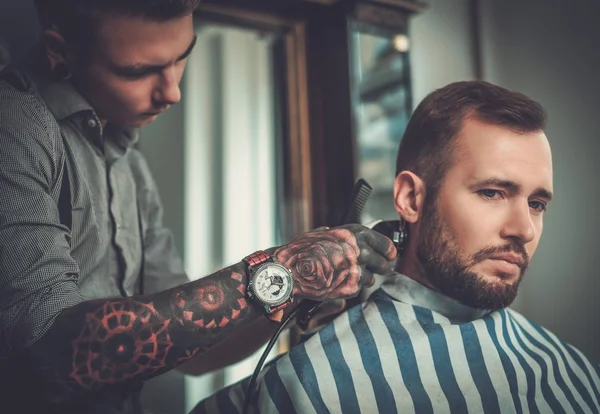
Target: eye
<point x="538" y="206"/>
<point x="134" y="75"/>
<point x="489" y="193"/>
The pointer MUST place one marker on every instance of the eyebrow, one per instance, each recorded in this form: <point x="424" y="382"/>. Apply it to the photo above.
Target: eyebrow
<point x="155" y="68"/>
<point x="511" y="187"/>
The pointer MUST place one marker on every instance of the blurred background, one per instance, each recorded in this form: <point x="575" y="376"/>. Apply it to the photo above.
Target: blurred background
<point x="287" y="102"/>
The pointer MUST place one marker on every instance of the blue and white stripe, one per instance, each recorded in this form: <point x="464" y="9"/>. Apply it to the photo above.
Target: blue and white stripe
<point x="395" y="354"/>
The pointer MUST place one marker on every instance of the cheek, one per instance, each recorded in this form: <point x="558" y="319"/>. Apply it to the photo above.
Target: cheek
<point x="134" y="96"/>
<point x="472" y="227"/>
<point x="122" y="96"/>
<point x="113" y="97"/>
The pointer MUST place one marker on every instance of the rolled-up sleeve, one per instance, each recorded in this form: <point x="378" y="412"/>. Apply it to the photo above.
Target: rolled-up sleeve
<point x="38" y="276"/>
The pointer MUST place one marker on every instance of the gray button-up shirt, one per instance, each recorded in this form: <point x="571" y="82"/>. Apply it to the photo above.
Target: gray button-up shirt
<point x="47" y="130"/>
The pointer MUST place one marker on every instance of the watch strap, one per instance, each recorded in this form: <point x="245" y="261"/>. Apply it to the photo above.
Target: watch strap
<point x="257" y="258"/>
<point x="276" y="313"/>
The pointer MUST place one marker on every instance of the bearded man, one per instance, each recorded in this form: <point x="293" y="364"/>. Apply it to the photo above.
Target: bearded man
<point x="473" y="181"/>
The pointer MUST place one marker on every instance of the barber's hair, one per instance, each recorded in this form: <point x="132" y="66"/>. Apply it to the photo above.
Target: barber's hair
<point x="76" y="20"/>
<point x="428" y="145"/>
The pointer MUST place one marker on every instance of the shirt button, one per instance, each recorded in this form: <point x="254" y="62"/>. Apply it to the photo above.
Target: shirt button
<point x="92" y="123"/>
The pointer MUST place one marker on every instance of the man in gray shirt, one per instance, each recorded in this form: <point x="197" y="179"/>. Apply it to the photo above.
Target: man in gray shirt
<point x="93" y="296"/>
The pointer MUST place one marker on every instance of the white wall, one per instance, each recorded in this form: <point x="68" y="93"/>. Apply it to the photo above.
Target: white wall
<point x="229" y="165"/>
<point x="550" y="50"/>
<point x="442" y="48"/>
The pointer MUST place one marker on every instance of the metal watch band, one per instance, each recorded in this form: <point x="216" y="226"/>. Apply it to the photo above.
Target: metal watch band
<point x="279" y="307"/>
<point x="257" y="258"/>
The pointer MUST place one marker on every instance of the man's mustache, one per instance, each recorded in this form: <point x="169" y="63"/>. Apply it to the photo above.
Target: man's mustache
<point x="490" y="252"/>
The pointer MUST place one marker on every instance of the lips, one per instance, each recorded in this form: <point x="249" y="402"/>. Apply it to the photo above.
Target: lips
<point x="154" y="113"/>
<point x="510" y="258"/>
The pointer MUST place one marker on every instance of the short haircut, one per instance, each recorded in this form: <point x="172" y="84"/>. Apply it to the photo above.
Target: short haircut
<point x="77" y="20"/>
<point x="427" y="148"/>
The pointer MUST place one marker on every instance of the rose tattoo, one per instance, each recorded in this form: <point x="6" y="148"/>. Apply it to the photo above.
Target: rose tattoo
<point x="323" y="262"/>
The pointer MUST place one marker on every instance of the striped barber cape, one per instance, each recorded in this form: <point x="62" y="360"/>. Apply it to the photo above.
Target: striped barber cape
<point x="409" y="349"/>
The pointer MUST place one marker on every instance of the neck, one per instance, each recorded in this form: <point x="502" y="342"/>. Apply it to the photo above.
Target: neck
<point x="409" y="265"/>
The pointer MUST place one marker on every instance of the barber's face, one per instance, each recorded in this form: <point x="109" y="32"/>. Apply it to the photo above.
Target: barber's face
<point x="135" y="69"/>
<point x="476" y="239"/>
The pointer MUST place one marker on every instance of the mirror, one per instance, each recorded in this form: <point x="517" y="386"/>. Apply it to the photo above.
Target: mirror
<point x="381" y="96"/>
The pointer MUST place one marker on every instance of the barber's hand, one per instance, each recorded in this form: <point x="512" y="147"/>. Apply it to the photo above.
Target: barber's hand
<point x="336" y="263"/>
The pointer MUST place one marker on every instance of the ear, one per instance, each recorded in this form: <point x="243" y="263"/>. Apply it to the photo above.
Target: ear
<point x="409" y="195"/>
<point x="55" y="48"/>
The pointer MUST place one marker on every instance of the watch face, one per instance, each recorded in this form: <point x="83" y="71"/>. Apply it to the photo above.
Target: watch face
<point x="272" y="284"/>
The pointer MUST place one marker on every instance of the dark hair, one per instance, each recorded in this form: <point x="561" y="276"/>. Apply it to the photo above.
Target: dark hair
<point x="76" y="20"/>
<point x="427" y="148"/>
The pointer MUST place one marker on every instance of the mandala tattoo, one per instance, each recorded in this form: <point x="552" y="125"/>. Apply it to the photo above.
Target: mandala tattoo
<point x="103" y="343"/>
<point x="118" y="342"/>
<point x="208" y="307"/>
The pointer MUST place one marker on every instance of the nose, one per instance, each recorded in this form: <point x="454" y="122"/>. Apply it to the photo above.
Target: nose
<point x="520" y="224"/>
<point x="167" y="92"/>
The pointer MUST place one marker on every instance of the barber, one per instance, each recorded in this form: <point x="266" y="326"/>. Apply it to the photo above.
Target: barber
<point x="93" y="296"/>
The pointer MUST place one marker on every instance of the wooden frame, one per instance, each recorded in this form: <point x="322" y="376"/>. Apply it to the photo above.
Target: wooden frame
<point x="320" y="148"/>
<point x="413" y="6"/>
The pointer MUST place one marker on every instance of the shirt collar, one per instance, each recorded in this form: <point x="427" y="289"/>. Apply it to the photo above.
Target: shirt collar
<point x="406" y="290"/>
<point x="65" y="101"/>
<point x="61" y="97"/>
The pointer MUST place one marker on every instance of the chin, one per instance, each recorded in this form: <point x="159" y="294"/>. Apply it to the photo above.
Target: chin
<point x="493" y="274"/>
<point x="147" y="120"/>
<point x="130" y="120"/>
<point x="488" y="291"/>
<point x="499" y="278"/>
<point x="135" y="124"/>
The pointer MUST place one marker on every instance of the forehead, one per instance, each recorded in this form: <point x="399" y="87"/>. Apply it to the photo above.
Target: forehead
<point x="138" y="40"/>
<point x="490" y="151"/>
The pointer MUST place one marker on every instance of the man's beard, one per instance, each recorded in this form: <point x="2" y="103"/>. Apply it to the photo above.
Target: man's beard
<point x="443" y="267"/>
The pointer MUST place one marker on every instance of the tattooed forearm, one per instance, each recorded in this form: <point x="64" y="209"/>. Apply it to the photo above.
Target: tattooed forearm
<point x="212" y="305"/>
<point x="104" y="343"/>
<point x="109" y="344"/>
<point x="120" y="340"/>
